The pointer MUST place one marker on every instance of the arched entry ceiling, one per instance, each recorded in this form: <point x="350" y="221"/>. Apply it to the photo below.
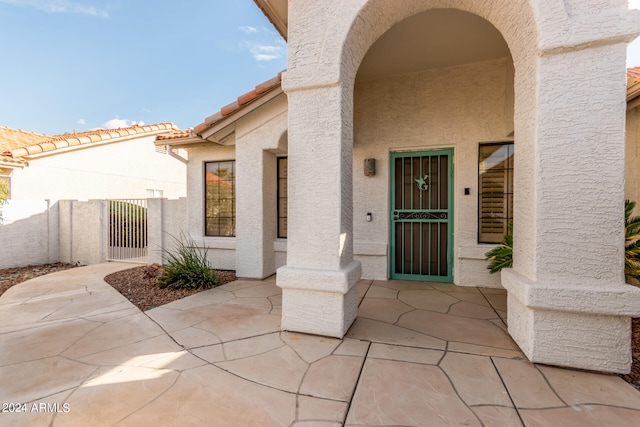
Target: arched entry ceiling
<point x="433" y="39"/>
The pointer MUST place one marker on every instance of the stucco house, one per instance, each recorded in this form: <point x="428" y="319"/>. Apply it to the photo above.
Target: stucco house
<point x="98" y="164"/>
<point x="402" y="140"/>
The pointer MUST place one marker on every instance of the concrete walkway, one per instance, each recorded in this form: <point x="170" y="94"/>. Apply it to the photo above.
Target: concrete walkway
<point x="74" y="352"/>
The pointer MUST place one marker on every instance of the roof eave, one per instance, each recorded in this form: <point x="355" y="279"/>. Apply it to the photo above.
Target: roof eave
<point x="72" y="143"/>
<point x="276" y="11"/>
<point x="633" y="89"/>
<point x="186" y="142"/>
<point x="233" y="118"/>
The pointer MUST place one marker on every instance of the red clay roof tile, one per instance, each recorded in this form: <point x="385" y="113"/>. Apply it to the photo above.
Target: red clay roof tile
<point x="230" y="108"/>
<point x="15" y="143"/>
<point x="16" y="138"/>
<point x="242" y="101"/>
<point x="8" y="160"/>
<point x="633" y="73"/>
<point x="176" y="134"/>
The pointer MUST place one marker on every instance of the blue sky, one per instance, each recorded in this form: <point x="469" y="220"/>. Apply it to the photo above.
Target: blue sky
<point x="85" y="64"/>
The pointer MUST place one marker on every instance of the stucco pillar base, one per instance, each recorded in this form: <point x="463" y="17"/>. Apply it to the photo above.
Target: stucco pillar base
<point x="586" y="327"/>
<point x="319" y="302"/>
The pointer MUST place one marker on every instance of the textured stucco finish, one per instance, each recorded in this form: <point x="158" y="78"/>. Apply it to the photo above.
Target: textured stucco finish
<point x="84" y="231"/>
<point x="260" y="138"/>
<point x="577" y="340"/>
<point x="319" y="302"/>
<point x="29" y="234"/>
<point x="166" y="222"/>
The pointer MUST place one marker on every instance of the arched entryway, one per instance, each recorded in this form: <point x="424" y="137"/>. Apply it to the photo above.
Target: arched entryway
<point x="435" y="90"/>
<point x="559" y="289"/>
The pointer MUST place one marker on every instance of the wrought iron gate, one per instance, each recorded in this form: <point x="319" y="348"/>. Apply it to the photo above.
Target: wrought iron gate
<point x="422" y="215"/>
<point x="127" y="229"/>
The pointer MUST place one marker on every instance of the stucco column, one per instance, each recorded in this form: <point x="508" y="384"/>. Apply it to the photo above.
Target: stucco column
<point x="257" y="148"/>
<point x="568" y="303"/>
<point x="318" y="282"/>
<point x="256" y="200"/>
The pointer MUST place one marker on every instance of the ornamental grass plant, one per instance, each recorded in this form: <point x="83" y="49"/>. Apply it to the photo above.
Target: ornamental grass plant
<point x="186" y="266"/>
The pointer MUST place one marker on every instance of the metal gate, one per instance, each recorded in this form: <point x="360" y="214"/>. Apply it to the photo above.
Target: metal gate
<point x="422" y="215"/>
<point x="127" y="229"/>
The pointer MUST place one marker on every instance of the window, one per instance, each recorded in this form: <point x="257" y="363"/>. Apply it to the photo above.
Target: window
<point x="153" y="193"/>
<point x="5" y="184"/>
<point x="282" y="197"/>
<point x="220" y="198"/>
<point x="495" y="191"/>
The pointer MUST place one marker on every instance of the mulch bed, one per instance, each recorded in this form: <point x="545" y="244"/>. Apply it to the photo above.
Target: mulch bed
<point x="140" y="286"/>
<point x="634" y="377"/>
<point x="13" y="276"/>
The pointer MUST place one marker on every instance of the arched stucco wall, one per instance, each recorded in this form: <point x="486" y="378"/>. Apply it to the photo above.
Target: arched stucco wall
<point x="533" y="30"/>
<point x="358" y="24"/>
<point x="566" y="287"/>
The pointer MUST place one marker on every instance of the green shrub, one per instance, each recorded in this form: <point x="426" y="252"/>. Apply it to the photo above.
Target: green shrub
<point x="632" y="243"/>
<point x="502" y="255"/>
<point x="4" y="195"/>
<point x="187" y="267"/>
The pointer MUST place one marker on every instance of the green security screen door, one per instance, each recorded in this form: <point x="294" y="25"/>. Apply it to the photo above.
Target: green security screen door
<point x="422" y="215"/>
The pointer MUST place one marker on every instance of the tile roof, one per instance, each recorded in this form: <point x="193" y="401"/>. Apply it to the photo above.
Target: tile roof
<point x="633" y="87"/>
<point x="176" y="134"/>
<point x="15" y="138"/>
<point x="17" y="144"/>
<point x="633" y="74"/>
<point x="243" y="100"/>
<point x="10" y="161"/>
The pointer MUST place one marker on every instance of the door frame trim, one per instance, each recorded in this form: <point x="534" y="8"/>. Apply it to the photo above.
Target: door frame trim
<point x="450" y="234"/>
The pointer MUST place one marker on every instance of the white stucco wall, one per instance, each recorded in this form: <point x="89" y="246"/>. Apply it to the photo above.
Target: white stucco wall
<point x="29" y="233"/>
<point x="167" y="221"/>
<point x="124" y="169"/>
<point x="83" y="229"/>
<point x="456" y="107"/>
<point x="260" y="137"/>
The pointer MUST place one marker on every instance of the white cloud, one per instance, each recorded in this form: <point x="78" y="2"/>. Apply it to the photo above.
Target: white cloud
<point x="248" y="29"/>
<point x="262" y="57"/>
<point x="59" y="6"/>
<point x="82" y="122"/>
<point x="120" y="123"/>
<point x="264" y="52"/>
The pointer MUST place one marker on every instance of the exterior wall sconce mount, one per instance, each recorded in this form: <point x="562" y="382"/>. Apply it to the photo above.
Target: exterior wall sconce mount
<point x="369" y="167"/>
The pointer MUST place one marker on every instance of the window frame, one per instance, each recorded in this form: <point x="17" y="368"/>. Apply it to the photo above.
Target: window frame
<point x="234" y="199"/>
<point x="280" y="199"/>
<point x="506" y="195"/>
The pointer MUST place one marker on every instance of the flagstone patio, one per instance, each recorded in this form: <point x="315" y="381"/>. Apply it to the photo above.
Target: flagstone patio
<point x="419" y="354"/>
